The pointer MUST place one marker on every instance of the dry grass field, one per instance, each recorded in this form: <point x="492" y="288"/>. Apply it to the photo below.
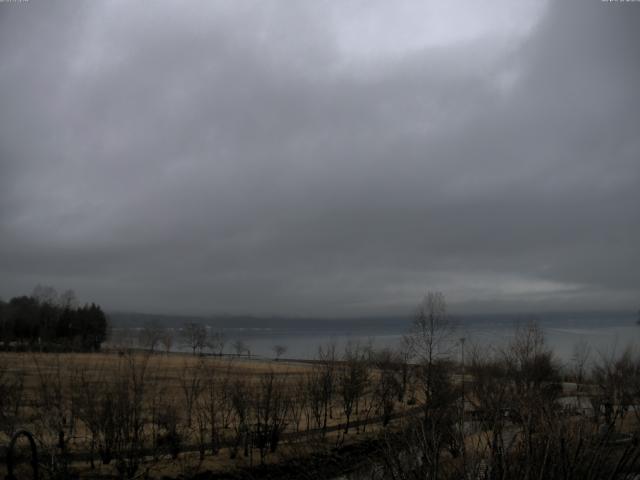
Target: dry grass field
<point x="132" y="414"/>
<point x="120" y="413"/>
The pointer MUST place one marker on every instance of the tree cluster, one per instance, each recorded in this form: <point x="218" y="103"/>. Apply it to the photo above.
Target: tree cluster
<point x="48" y="321"/>
<point x="505" y="415"/>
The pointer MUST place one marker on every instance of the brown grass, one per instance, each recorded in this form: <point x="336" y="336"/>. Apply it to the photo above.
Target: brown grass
<point x="164" y="373"/>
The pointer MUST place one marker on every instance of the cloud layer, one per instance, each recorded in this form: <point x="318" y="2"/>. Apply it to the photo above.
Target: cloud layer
<point x="303" y="158"/>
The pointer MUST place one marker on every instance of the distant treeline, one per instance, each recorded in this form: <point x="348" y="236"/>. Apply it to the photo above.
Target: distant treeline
<point x="46" y="320"/>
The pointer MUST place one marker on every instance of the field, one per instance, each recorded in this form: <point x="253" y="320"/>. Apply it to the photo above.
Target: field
<point x="134" y="414"/>
<point x="122" y="413"/>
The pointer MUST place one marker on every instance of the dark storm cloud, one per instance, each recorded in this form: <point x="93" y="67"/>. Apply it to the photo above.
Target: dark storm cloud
<point x="200" y="157"/>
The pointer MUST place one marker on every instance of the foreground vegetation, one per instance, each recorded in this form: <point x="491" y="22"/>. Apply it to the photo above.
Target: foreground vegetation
<point x="423" y="411"/>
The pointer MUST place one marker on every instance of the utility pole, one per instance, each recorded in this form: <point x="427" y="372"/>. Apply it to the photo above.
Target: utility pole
<point x="462" y="443"/>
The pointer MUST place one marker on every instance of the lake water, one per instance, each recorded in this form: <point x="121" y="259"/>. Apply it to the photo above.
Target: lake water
<point x="604" y="333"/>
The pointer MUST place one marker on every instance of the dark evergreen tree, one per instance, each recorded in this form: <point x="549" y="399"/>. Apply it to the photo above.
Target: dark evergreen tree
<point x="42" y="322"/>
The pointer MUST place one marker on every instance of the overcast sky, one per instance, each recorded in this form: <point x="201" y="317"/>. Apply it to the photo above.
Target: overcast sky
<point x="321" y="158"/>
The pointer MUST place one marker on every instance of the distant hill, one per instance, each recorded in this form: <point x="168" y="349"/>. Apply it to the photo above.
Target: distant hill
<point x="134" y="320"/>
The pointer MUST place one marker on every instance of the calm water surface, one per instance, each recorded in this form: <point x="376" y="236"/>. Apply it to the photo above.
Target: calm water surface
<point x="604" y="334"/>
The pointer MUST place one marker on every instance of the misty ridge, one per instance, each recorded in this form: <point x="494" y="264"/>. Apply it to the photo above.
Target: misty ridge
<point x="137" y="320"/>
<point x="320" y="240"/>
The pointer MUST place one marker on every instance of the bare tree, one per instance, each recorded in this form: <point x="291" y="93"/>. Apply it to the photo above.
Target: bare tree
<point x="195" y="336"/>
<point x="316" y="396"/>
<point x="269" y="410"/>
<point x="279" y="350"/>
<point x="321" y="386"/>
<point x="240" y="347"/>
<point x="430" y="341"/>
<point x="68" y="299"/>
<point x="170" y="435"/>
<point x="352" y="380"/>
<point x="167" y="340"/>
<point x="116" y="402"/>
<point x="490" y="395"/>
<point x="45" y="294"/>
<point x="615" y="377"/>
<point x="131" y="391"/>
<point x="217" y="342"/>
<point x="240" y="401"/>
<point x="402" y="357"/>
<point x="579" y="360"/>
<point x="299" y="402"/>
<point x="214" y="404"/>
<point x="431" y="331"/>
<point x="56" y="409"/>
<point x="533" y="375"/>
<point x="11" y="398"/>
<point x="151" y="335"/>
<point x="95" y="400"/>
<point x="191" y="386"/>
<point x="387" y="385"/>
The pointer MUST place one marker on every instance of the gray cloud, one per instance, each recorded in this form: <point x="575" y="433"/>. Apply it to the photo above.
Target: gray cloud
<point x="256" y="157"/>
